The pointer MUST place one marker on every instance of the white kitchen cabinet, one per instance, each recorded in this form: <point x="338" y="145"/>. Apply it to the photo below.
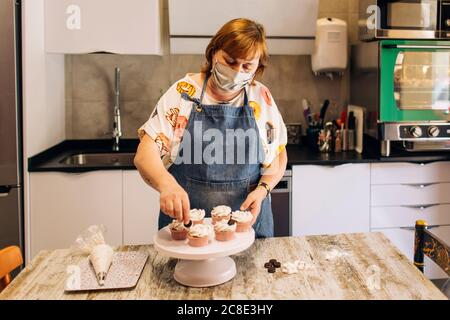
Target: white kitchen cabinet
<point x="403" y="239"/>
<point x="117" y="26"/>
<point x="63" y="205"/>
<point x="140" y="209"/>
<point x="402" y="193"/>
<point x="330" y="200"/>
<point x="290" y="26"/>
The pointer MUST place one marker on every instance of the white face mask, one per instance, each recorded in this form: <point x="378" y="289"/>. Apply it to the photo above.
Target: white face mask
<point x="228" y="79"/>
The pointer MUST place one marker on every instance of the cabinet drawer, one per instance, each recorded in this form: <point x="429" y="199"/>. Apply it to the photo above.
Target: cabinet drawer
<point x="403" y="239"/>
<point x="410" y="194"/>
<point x="397" y="173"/>
<point x="406" y="216"/>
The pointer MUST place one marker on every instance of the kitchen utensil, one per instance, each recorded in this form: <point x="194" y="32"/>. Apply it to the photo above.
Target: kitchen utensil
<point x="101" y="259"/>
<point x="92" y="242"/>
<point x="344" y="119"/>
<point x="323" y="111"/>
<point x="325" y="138"/>
<point x="307" y="111"/>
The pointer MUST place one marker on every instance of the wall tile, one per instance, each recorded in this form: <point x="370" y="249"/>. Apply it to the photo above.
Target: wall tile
<point x="92" y="119"/>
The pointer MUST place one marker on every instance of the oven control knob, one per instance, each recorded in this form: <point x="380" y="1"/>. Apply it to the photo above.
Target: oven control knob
<point x="433" y="131"/>
<point x="416" y="131"/>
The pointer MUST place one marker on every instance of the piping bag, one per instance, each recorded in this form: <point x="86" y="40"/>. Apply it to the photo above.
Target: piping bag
<point x="92" y="243"/>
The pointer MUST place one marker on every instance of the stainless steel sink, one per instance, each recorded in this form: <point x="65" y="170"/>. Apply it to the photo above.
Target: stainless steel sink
<point x="102" y="159"/>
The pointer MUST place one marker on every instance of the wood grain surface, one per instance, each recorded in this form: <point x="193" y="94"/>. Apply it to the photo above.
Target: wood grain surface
<point x="346" y="266"/>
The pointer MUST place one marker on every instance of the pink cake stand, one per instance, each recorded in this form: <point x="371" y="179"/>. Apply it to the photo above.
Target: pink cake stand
<point x="206" y="266"/>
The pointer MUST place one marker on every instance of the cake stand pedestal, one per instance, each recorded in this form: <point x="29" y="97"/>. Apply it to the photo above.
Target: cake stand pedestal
<point x="205" y="266"/>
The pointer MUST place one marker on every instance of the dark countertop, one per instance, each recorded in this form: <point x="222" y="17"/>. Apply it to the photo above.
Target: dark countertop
<point x="50" y="159"/>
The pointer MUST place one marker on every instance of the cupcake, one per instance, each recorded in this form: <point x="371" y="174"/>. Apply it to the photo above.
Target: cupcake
<point x="198" y="235"/>
<point x="178" y="230"/>
<point x="197" y="215"/>
<point x="224" y="230"/>
<point x="220" y="213"/>
<point x="243" y="220"/>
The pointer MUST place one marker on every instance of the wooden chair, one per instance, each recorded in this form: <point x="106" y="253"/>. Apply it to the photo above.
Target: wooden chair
<point x="428" y="244"/>
<point x="10" y="259"/>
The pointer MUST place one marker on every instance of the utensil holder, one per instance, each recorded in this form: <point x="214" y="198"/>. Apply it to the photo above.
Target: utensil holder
<point x="312" y="136"/>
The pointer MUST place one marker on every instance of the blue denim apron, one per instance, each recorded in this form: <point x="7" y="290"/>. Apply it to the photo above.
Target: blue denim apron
<point x="220" y="182"/>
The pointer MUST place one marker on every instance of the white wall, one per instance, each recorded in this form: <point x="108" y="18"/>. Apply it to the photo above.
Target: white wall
<point x="43" y="95"/>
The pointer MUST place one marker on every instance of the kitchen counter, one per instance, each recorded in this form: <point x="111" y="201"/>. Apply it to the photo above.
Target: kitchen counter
<point x="347" y="266"/>
<point x="50" y="159"/>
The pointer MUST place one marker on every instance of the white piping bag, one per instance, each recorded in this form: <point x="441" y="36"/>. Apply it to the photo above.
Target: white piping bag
<point x="101" y="259"/>
<point x="92" y="242"/>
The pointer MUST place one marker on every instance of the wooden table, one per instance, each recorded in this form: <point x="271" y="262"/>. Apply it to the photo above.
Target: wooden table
<point x="347" y="266"/>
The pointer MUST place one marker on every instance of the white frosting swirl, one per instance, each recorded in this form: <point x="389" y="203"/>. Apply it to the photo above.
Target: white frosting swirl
<point x="200" y="230"/>
<point x="242" y="216"/>
<point x="221" y="211"/>
<point x="197" y="214"/>
<point x="177" y="225"/>
<point x="223" y="226"/>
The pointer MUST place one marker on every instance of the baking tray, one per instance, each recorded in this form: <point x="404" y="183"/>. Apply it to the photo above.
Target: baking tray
<point x="124" y="273"/>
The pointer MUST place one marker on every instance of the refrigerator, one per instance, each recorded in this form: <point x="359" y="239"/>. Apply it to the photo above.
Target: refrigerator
<point x="11" y="164"/>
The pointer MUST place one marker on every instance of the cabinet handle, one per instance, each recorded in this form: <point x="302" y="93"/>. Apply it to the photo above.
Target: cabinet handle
<point x="413" y="229"/>
<point x="420" y="206"/>
<point x="338" y="165"/>
<point x="419" y="185"/>
<point x="405" y="46"/>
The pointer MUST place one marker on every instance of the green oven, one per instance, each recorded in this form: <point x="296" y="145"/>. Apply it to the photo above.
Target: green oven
<point x="414" y="80"/>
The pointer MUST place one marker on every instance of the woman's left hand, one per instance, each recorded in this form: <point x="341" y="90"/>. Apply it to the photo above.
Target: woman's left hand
<point x="253" y="202"/>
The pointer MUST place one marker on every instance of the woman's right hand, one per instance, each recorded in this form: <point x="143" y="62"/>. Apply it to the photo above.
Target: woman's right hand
<point x="174" y="202"/>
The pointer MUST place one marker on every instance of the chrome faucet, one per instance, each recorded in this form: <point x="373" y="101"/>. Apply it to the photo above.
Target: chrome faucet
<point x="117" y="127"/>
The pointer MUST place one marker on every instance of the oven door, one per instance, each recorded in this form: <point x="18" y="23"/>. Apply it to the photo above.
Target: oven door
<point x="410" y="14"/>
<point x="402" y="19"/>
<point x="414" y="80"/>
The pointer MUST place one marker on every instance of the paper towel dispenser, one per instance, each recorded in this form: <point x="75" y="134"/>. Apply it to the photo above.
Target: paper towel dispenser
<point x="290" y="25"/>
<point x="330" y="54"/>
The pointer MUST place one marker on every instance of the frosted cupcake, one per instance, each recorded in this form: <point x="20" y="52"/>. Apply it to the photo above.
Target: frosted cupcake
<point x="224" y="230"/>
<point x="198" y="235"/>
<point x="197" y="216"/>
<point x="243" y="220"/>
<point x="220" y="213"/>
<point x="178" y="230"/>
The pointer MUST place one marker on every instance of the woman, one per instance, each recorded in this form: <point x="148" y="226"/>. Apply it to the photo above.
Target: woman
<point x="217" y="137"/>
